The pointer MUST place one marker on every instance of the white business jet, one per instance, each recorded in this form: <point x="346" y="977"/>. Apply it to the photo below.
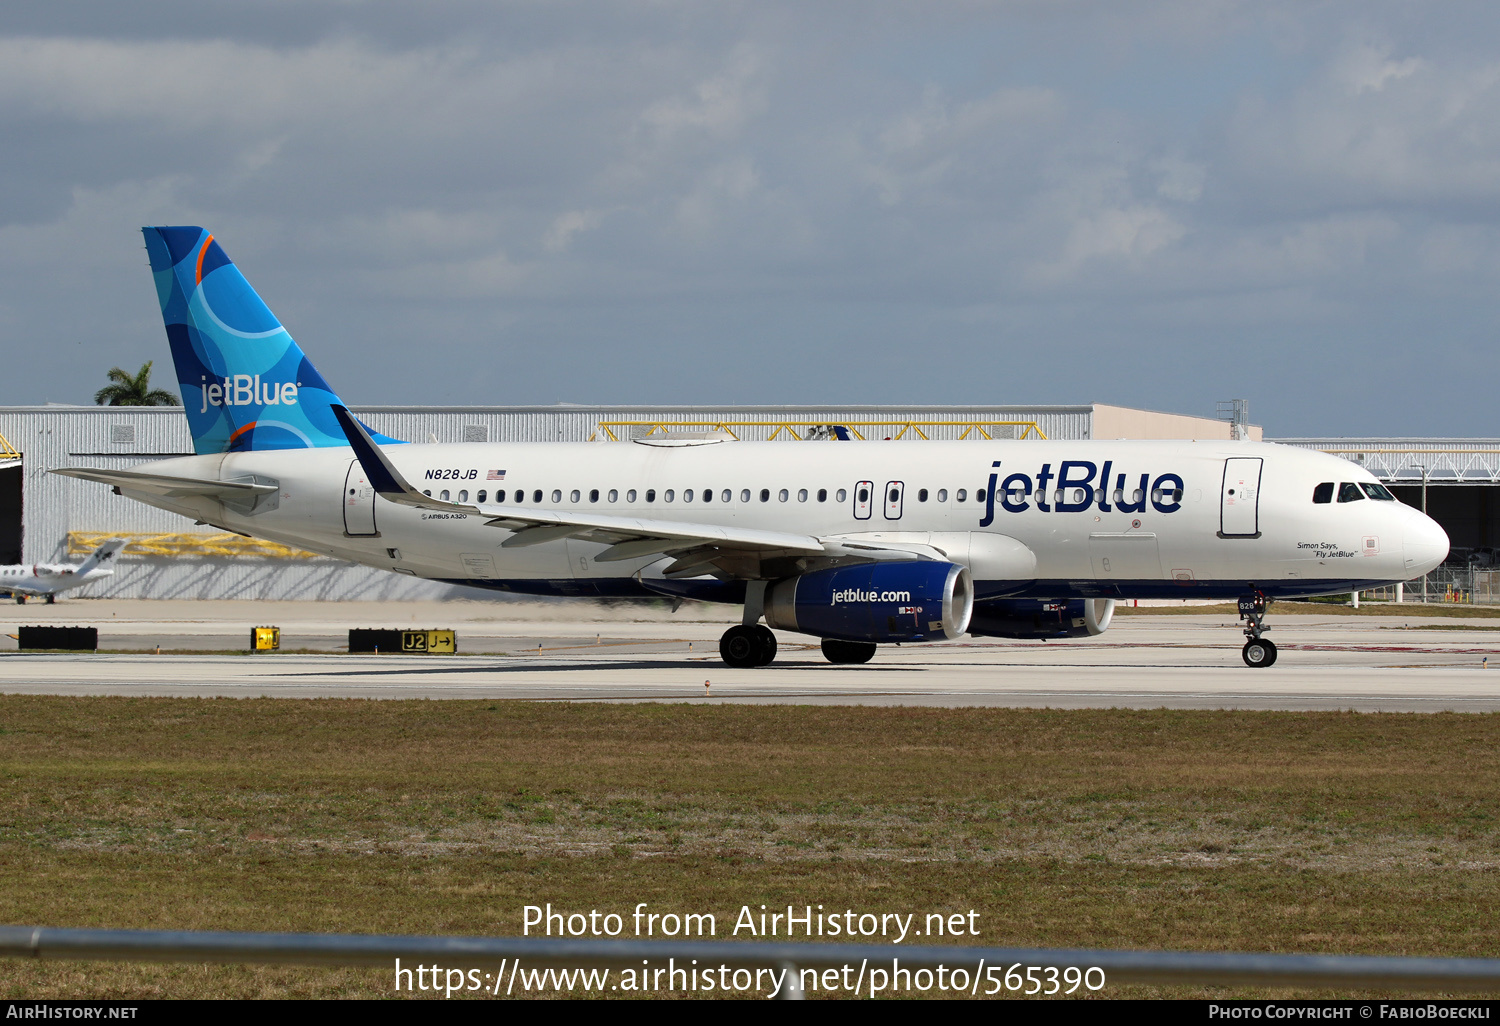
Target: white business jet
<point x="48" y="580"/>
<point x="855" y="543"/>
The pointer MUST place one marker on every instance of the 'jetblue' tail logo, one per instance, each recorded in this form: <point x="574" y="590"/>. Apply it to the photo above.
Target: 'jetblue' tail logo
<point x="245" y="383"/>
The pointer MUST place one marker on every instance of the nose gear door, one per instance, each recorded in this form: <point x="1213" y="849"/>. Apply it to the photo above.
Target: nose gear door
<point x="359" y="503"/>
<point x="1239" y="498"/>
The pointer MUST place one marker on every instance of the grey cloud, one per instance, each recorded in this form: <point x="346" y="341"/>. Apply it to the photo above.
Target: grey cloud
<point x="625" y="202"/>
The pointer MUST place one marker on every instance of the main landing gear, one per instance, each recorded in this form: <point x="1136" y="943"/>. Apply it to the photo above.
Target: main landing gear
<point x="1258" y="652"/>
<point x="748" y="645"/>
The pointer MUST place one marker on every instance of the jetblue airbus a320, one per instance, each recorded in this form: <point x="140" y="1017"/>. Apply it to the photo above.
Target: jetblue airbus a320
<point x="858" y="544"/>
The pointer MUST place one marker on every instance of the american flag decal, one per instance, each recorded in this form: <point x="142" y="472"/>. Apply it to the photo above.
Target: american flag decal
<point x="495" y="475"/>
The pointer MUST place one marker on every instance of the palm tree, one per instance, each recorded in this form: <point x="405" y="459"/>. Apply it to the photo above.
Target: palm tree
<point x="134" y="391"/>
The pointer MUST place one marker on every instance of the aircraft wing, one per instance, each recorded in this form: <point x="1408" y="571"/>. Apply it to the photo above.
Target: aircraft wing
<point x="168" y="485"/>
<point x="699" y="548"/>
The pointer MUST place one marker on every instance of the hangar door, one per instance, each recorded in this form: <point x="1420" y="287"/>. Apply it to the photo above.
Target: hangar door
<point x="11" y="481"/>
<point x="359" y="502"/>
<point x="1239" y="499"/>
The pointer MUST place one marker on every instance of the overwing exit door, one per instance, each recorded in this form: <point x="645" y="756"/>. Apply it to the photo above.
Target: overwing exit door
<point x="1239" y="498"/>
<point x="359" y="503"/>
<point x="894" y="492"/>
<point x="864" y="495"/>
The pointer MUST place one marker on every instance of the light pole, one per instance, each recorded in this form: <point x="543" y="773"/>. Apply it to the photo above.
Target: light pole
<point x="1424" y="513"/>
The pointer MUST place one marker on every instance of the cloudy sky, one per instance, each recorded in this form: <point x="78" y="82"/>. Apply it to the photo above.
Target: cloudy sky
<point x="1152" y="204"/>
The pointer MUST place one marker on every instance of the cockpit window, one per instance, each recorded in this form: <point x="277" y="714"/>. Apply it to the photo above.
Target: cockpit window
<point x="1323" y="493"/>
<point x="1349" y="492"/>
<point x="1377" y="491"/>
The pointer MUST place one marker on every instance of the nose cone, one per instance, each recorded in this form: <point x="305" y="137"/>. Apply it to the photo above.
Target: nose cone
<point x="1424" y="544"/>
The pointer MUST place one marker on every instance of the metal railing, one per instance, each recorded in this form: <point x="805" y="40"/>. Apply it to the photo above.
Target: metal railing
<point x="1156" y="968"/>
<point x="1409" y="460"/>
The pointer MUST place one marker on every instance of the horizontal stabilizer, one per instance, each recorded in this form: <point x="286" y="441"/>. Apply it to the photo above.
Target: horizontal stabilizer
<point x="167" y="485"/>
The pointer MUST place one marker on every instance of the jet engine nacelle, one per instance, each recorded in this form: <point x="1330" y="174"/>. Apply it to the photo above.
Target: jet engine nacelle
<point x="916" y="600"/>
<point x="1033" y="618"/>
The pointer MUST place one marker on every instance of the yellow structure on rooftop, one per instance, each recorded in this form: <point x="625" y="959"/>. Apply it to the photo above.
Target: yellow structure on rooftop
<point x="820" y="429"/>
<point x="185" y="544"/>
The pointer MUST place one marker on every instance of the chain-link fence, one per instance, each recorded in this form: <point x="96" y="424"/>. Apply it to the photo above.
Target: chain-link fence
<point x="1465" y="585"/>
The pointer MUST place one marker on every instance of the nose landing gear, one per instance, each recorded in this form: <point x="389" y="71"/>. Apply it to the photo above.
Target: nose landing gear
<point x="1258" y="652"/>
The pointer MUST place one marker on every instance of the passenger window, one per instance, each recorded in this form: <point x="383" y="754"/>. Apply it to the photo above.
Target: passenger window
<point x="726" y="495"/>
<point x="666" y="496"/>
<point x="556" y="495"/>
<point x="922" y="495"/>
<point x="427" y="492"/>
<point x="1349" y="492"/>
<point x="782" y="495"/>
<point x="840" y="495"/>
<point x="744" y="495"/>
<point x="614" y="496"/>
<point x="480" y="496"/>
<point x="574" y="495"/>
<point x="593" y="495"/>
<point x="1377" y="491"/>
<point x="444" y="495"/>
<point x="630" y="495"/>
<point x="1098" y="494"/>
<point x="708" y="495"/>
<point x="463" y="496"/>
<point x="650" y="494"/>
<point x="1323" y="493"/>
<point x="942" y="495"/>
<point x="765" y="495"/>
<point x="687" y="495"/>
<point x="960" y="495"/>
<point x="801" y="494"/>
<point x="864" y="495"/>
<point x="822" y="494"/>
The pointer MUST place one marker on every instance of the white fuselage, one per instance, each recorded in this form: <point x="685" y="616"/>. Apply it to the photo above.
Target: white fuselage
<point x="1180" y="534"/>
<point x="46" y="578"/>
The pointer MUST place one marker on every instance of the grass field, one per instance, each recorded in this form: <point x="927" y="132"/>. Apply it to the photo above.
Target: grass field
<point x="1308" y="832"/>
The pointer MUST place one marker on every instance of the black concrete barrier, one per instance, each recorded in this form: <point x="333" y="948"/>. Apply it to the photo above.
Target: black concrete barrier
<point x="72" y="639"/>
<point x="425" y="642"/>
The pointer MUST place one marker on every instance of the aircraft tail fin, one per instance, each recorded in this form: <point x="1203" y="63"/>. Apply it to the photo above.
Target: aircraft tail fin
<point x="103" y="556"/>
<point x="246" y="385"/>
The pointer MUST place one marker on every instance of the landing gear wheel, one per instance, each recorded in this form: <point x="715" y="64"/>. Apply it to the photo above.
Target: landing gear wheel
<point x="1259" y="653"/>
<point x="767" y="645"/>
<point x="20" y="600"/>
<point x="741" y="646"/>
<point x="848" y="651"/>
<point x="51" y="599"/>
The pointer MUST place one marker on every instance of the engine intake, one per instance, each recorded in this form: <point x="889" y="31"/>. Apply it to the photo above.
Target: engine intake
<point x="920" y="600"/>
<point x="1044" y="618"/>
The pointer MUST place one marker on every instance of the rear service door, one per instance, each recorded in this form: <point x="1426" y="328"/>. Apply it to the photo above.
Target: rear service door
<point x="359" y="503"/>
<point x="1239" y="498"/>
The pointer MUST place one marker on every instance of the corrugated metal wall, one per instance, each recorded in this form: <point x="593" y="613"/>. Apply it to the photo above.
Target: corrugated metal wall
<point x="62" y="436"/>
